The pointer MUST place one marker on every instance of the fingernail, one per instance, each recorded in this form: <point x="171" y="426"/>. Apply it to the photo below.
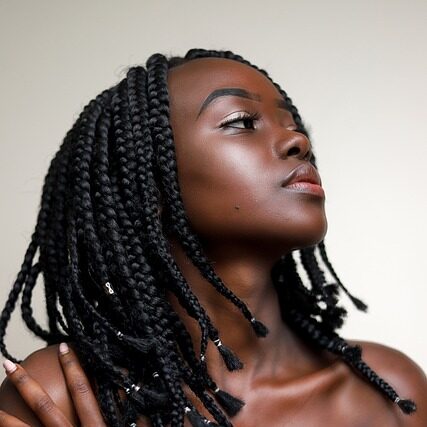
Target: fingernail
<point x="9" y="366"/>
<point x="63" y="348"/>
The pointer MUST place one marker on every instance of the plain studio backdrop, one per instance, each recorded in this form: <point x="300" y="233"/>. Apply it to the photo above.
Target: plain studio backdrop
<point x="355" y="69"/>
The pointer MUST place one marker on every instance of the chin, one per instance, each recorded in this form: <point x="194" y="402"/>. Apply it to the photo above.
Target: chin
<point x="306" y="234"/>
<point x="315" y="238"/>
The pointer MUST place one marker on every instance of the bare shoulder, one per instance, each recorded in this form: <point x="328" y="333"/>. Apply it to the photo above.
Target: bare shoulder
<point x="44" y="366"/>
<point x="401" y="371"/>
<point x="403" y="374"/>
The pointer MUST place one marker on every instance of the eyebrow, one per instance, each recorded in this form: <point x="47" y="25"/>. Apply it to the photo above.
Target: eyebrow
<point x="235" y="91"/>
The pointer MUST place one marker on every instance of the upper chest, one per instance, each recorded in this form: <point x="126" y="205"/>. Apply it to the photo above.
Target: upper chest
<point x="334" y="398"/>
<point x="316" y="410"/>
<point x="342" y="401"/>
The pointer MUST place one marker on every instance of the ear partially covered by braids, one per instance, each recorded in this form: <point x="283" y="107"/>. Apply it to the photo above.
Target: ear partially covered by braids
<point x="107" y="267"/>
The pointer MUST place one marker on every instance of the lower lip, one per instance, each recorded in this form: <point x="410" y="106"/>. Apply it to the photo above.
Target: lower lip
<point x="306" y="187"/>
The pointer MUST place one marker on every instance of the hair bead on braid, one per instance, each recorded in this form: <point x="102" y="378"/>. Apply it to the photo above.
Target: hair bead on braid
<point x="99" y="224"/>
<point x="109" y="288"/>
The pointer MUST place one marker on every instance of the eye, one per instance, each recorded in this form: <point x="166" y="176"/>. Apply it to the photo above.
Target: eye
<point x="242" y="120"/>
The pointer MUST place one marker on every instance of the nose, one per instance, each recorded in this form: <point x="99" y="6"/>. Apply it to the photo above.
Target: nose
<point x="293" y="144"/>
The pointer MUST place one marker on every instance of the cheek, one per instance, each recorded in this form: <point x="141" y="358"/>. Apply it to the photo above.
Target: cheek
<point x="215" y="185"/>
<point x="229" y="193"/>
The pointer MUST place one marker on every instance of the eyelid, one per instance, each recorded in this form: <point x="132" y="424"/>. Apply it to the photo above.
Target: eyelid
<point x="238" y="116"/>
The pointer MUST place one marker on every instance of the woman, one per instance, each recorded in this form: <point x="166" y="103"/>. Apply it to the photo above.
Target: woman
<point x="167" y="255"/>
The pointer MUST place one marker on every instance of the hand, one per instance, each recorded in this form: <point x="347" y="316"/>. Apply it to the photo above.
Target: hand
<point x="85" y="403"/>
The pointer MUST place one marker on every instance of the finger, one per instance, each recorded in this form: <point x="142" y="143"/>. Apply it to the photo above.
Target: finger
<point x="35" y="397"/>
<point x="7" y="420"/>
<point x="85" y="403"/>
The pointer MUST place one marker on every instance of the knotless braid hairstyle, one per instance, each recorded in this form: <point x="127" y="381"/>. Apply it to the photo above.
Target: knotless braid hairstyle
<point x="100" y="244"/>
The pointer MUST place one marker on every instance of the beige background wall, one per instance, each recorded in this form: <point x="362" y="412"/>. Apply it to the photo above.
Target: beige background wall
<point x="356" y="70"/>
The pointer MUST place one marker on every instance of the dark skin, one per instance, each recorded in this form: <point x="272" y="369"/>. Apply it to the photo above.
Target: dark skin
<point x="230" y="178"/>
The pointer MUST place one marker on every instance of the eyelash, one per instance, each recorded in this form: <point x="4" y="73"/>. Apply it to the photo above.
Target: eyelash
<point x="246" y="116"/>
<point x="240" y="118"/>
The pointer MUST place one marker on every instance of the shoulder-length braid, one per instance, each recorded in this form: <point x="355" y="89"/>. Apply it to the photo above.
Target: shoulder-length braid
<point x="110" y="198"/>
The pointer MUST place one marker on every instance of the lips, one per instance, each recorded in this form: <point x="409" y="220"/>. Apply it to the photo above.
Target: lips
<point x="303" y="173"/>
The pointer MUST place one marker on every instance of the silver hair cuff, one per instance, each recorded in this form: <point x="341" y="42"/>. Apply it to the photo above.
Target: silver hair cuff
<point x="109" y="288"/>
<point x="133" y="387"/>
<point x="218" y="342"/>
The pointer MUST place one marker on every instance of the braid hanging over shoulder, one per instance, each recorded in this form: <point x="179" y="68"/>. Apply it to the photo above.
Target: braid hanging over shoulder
<point x="100" y="244"/>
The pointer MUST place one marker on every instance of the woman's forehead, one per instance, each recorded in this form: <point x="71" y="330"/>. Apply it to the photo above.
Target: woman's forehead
<point x="189" y="84"/>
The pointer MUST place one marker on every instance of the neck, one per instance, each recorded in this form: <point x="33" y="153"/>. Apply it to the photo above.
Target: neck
<point x="248" y="276"/>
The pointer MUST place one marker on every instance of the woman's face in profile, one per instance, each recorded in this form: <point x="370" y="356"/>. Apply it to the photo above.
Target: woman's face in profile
<point x="235" y="148"/>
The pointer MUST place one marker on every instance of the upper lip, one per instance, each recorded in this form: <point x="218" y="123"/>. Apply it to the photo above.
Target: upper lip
<point x="305" y="172"/>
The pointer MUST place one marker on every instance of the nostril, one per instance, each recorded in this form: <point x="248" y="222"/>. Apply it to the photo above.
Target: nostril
<point x="294" y="151"/>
